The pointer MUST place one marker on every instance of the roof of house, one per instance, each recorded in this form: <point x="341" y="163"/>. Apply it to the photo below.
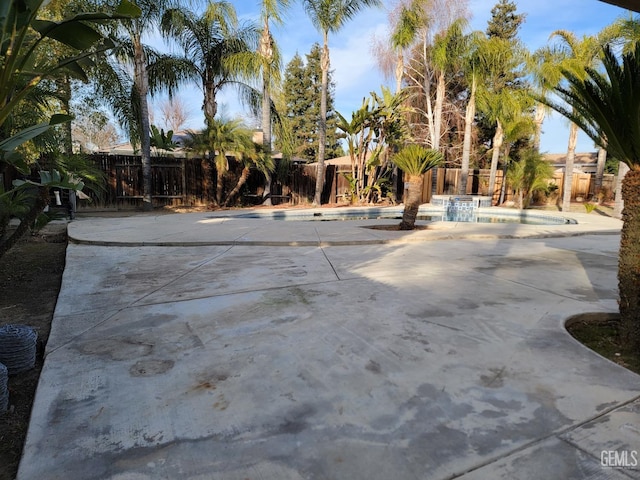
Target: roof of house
<point x="628" y="4"/>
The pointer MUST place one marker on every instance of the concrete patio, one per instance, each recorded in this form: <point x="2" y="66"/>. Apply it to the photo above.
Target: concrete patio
<point x="207" y="346"/>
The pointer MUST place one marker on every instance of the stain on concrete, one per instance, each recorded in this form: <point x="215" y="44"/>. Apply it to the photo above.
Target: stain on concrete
<point x="296" y="420"/>
<point x="373" y="366"/>
<point x="495" y="379"/>
<point x="116" y="348"/>
<point x="150" y="367"/>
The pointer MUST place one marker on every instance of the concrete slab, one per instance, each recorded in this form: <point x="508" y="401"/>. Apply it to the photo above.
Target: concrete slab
<point x="420" y="359"/>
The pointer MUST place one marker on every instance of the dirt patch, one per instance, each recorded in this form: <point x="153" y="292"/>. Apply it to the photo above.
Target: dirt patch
<point x="601" y="333"/>
<point x="30" y="278"/>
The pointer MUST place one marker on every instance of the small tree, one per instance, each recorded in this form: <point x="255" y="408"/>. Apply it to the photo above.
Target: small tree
<point x="415" y="161"/>
<point x="529" y="175"/>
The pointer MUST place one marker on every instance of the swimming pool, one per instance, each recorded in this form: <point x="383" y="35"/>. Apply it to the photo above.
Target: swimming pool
<point x="482" y="215"/>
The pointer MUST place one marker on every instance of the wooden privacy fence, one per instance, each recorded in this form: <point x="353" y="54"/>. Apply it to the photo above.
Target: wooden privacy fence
<point x="174" y="181"/>
<point x="192" y="181"/>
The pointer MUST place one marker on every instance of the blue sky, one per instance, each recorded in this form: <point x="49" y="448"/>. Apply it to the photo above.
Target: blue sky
<point x="354" y="66"/>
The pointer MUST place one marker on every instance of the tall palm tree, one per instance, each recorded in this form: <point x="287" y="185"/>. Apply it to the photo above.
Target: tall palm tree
<point x="402" y="37"/>
<point x="218" y="51"/>
<point x="270" y="11"/>
<point x="545" y="75"/>
<point x="415" y="160"/>
<point x="607" y="106"/>
<point x="474" y="67"/>
<point x="498" y="100"/>
<point x="575" y="54"/>
<point x="137" y="59"/>
<point x="329" y="16"/>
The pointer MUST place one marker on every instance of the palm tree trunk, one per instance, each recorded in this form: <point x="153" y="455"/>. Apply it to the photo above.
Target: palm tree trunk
<point x="322" y="130"/>
<point x="219" y="185"/>
<point x="141" y="82"/>
<point x="266" y="51"/>
<point x="618" y="207"/>
<point x="241" y="181"/>
<point x="412" y="202"/>
<point x="629" y="263"/>
<point x="602" y="160"/>
<point x="538" y="120"/>
<point x="210" y="106"/>
<point x="505" y="168"/>
<point x="266" y="135"/>
<point x="498" y="139"/>
<point x="466" y="146"/>
<point x="568" y="170"/>
<point x="64" y="89"/>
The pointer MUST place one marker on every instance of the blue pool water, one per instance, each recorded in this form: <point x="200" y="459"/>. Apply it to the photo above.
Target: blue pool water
<point x="520" y="217"/>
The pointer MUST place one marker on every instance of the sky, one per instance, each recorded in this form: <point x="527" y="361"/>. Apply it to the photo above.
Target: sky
<point x="354" y="67"/>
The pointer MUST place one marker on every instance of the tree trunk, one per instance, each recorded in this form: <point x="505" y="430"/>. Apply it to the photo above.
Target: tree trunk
<point x="602" y="160"/>
<point x="618" y="207"/>
<point x="322" y="130"/>
<point x="505" y="168"/>
<point x="498" y="139"/>
<point x="538" y="120"/>
<point x="141" y="82"/>
<point x="241" y="181"/>
<point x="629" y="263"/>
<point x="412" y="202"/>
<point x="399" y="70"/>
<point x="466" y="146"/>
<point x="568" y="169"/>
<point x="266" y="50"/>
<point x="64" y="88"/>
<point x="207" y="183"/>
<point x="437" y="120"/>
<point x="219" y="183"/>
<point x="427" y="93"/>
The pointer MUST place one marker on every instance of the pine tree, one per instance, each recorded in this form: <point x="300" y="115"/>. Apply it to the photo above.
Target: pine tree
<point x="302" y="86"/>
<point x="504" y="26"/>
<point x="505" y="22"/>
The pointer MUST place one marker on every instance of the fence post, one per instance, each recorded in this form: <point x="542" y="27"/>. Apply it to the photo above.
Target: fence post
<point x="185" y="198"/>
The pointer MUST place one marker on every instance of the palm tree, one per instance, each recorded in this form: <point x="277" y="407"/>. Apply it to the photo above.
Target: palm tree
<point x="574" y="55"/>
<point x="221" y="138"/>
<point x="607" y="106"/>
<point x="218" y="52"/>
<point x="497" y="99"/>
<point x="545" y="75"/>
<point x="529" y="175"/>
<point x="138" y="59"/>
<point x="402" y="37"/>
<point x="475" y="70"/>
<point x="251" y="158"/>
<point x="329" y="16"/>
<point x="415" y="160"/>
<point x="271" y="10"/>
